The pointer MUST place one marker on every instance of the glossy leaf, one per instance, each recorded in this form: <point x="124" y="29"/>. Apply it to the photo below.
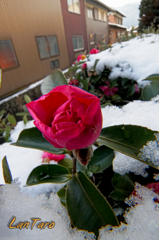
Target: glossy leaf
<point x="66" y="162"/>
<point x="48" y="173"/>
<point x="6" y="171"/>
<point x="123" y="182"/>
<point x="87" y="207"/>
<point x="32" y="138"/>
<point x="62" y="195"/>
<point x="153" y="77"/>
<point x="127" y="139"/>
<point x="102" y="159"/>
<point x="150" y="91"/>
<point x="52" y="81"/>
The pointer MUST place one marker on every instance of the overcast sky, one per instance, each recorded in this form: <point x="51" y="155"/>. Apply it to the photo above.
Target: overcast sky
<point x="117" y="3"/>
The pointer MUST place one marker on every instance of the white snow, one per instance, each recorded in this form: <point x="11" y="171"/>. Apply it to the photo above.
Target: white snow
<point x="42" y="202"/>
<point x="136" y="59"/>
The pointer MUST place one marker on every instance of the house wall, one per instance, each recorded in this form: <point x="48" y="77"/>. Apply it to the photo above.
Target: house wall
<point x="75" y="25"/>
<point x="21" y="21"/>
<point x="115" y="34"/>
<point x="96" y="27"/>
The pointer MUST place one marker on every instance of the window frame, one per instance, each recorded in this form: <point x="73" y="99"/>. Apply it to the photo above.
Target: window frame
<point x="14" y="54"/>
<point x="78" y="49"/>
<point x="93" y="36"/>
<point x="48" y="45"/>
<point x="90" y="9"/>
<point x="73" y="7"/>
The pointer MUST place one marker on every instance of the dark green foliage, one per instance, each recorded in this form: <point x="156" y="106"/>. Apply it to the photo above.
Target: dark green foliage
<point x="149" y="14"/>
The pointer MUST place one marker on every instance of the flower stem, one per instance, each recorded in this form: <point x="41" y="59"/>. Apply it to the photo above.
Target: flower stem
<point x="74" y="165"/>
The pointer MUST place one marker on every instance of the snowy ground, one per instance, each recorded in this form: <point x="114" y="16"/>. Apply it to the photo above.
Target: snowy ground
<point x="136" y="59"/>
<point x="143" y="219"/>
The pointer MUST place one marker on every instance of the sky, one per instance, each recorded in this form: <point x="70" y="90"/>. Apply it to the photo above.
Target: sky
<point x="117" y="3"/>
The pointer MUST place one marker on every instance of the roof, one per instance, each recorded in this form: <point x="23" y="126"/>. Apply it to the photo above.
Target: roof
<point x="98" y="3"/>
<point x="117" y="25"/>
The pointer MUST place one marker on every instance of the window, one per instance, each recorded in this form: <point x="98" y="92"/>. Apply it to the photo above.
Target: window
<point x="77" y="43"/>
<point x="47" y="46"/>
<point x="90" y="12"/>
<point x="54" y="64"/>
<point x="102" y="16"/>
<point x="73" y="6"/>
<point x="92" y="38"/>
<point x="8" y="58"/>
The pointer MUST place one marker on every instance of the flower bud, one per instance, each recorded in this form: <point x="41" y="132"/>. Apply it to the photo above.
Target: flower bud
<point x="83" y="155"/>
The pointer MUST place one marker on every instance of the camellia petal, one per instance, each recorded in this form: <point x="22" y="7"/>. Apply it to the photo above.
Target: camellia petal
<point x="73" y="117"/>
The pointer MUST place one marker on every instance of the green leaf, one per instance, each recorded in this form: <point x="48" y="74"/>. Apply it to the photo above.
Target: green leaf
<point x="52" y="81"/>
<point x="6" y="171"/>
<point x="95" y="79"/>
<point x="25" y="119"/>
<point x="102" y="159"/>
<point x="11" y="119"/>
<point x="153" y="77"/>
<point x="32" y="138"/>
<point x="150" y="91"/>
<point x="86" y="206"/>
<point x="95" y="64"/>
<point x="123" y="183"/>
<point x="2" y="112"/>
<point x="48" y="173"/>
<point x="131" y="90"/>
<point x="118" y="195"/>
<point x="27" y="98"/>
<point x="22" y="114"/>
<point x="127" y="139"/>
<point x="62" y="195"/>
<point x="74" y="68"/>
<point x="66" y="162"/>
<point x="7" y="133"/>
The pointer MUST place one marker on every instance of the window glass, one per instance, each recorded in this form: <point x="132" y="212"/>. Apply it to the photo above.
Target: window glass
<point x="73" y="6"/>
<point x="80" y="42"/>
<point x="43" y="47"/>
<point x="102" y="16"/>
<point x="92" y="38"/>
<point x="7" y="55"/>
<point x="76" y="6"/>
<point x="53" y="45"/>
<point x="90" y="12"/>
<point x="70" y="5"/>
<point x="77" y="42"/>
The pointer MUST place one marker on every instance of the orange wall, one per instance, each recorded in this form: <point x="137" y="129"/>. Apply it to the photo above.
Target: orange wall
<point x="21" y="21"/>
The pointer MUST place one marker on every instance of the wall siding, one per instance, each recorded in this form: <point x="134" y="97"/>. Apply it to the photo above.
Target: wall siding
<point x="21" y="21"/>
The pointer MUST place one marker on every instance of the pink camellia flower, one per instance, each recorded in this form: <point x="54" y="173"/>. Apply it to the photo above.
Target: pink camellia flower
<point x="81" y="57"/>
<point x="68" y="117"/>
<point x="52" y="156"/>
<point x="94" y="51"/>
<point x="84" y="66"/>
<point x="73" y="82"/>
<point x="136" y="89"/>
<point x="108" y="91"/>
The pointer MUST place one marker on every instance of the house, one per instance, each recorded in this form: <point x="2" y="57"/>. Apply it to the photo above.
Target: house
<point x="97" y="23"/>
<point x="32" y="42"/>
<point x="116" y="28"/>
<point x="86" y="25"/>
<point x="73" y="12"/>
